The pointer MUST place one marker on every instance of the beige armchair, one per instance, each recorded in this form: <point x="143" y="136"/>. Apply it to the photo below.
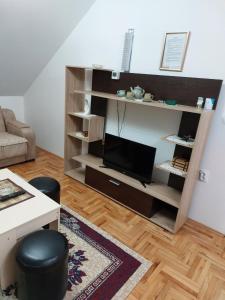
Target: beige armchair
<point x="17" y="140"/>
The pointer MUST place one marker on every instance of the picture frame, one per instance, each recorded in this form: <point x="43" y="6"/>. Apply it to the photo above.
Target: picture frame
<point x="174" y="51"/>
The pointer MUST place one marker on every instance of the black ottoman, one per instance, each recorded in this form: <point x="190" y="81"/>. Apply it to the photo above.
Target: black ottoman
<point x="42" y="266"/>
<point x="48" y="186"/>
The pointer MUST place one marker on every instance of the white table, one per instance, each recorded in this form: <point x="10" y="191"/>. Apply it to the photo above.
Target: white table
<point x="19" y="220"/>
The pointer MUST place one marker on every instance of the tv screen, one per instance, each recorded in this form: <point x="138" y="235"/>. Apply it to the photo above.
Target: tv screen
<point x="131" y="158"/>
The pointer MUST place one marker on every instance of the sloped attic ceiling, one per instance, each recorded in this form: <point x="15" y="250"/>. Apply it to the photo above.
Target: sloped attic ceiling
<point x="30" y="33"/>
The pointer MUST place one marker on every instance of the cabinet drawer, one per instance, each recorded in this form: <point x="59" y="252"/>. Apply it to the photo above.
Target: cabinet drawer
<point x="120" y="191"/>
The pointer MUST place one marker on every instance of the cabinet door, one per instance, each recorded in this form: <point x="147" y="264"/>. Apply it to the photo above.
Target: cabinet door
<point x="120" y="191"/>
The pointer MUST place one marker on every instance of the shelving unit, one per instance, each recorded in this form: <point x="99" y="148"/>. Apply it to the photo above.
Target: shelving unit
<point x="166" y="205"/>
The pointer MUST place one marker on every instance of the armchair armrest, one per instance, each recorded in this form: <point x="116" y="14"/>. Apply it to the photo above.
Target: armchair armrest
<point x="21" y="129"/>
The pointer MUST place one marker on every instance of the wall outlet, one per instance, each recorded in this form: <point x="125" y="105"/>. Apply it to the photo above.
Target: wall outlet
<point x="204" y="175"/>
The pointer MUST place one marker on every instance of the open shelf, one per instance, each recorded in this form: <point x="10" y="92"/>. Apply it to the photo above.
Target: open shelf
<point x="78" y="135"/>
<point x="161" y="191"/>
<point x="82" y="115"/>
<point x="78" y="174"/>
<point x="164" y="218"/>
<point x="151" y="104"/>
<point x="166" y="166"/>
<point x="95" y="127"/>
<point x="174" y="139"/>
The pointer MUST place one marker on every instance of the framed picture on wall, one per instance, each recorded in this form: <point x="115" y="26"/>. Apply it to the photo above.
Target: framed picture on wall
<point x="174" y="51"/>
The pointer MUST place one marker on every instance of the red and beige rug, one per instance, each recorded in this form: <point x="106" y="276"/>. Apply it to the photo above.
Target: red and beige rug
<point x="100" y="267"/>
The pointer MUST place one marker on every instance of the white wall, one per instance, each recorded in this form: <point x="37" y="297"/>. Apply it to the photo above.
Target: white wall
<point x="16" y="103"/>
<point x="31" y="32"/>
<point x="99" y="39"/>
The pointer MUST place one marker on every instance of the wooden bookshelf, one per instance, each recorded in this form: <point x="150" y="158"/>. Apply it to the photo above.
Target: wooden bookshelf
<point x="173" y="199"/>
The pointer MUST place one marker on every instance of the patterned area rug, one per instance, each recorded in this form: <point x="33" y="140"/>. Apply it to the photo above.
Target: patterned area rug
<point x="100" y="267"/>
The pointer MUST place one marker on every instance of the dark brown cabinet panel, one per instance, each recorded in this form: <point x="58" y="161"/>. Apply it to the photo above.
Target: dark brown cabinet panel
<point x="120" y="191"/>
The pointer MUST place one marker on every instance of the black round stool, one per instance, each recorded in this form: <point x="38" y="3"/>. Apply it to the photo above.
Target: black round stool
<point x="42" y="266"/>
<point x="48" y="186"/>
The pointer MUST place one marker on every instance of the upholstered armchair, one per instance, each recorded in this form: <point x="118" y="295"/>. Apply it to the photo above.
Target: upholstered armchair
<point x="17" y="140"/>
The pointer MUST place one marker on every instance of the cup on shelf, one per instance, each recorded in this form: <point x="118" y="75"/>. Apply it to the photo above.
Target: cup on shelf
<point x="148" y="97"/>
<point x="121" y="93"/>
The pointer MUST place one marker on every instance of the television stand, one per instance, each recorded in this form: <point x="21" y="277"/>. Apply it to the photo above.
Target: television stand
<point x="166" y="205"/>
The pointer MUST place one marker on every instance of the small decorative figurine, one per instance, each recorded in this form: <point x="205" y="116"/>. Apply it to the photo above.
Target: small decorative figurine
<point x="209" y="102"/>
<point x="149" y="97"/>
<point x="200" y="102"/>
<point x="187" y="138"/>
<point x="87" y="107"/>
<point x="85" y="133"/>
<point x="129" y="96"/>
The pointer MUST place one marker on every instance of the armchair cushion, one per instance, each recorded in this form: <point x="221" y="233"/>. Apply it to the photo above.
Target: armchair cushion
<point x="23" y="130"/>
<point x="2" y="122"/>
<point x="17" y="140"/>
<point x="12" y="145"/>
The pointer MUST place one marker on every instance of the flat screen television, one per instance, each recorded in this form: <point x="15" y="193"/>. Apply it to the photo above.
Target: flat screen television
<point x="131" y="158"/>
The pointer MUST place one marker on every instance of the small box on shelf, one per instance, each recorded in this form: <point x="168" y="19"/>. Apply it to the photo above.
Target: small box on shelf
<point x="180" y="163"/>
<point x="174" y="139"/>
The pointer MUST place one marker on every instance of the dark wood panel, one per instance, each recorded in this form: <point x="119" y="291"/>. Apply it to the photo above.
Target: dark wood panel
<point x="96" y="148"/>
<point x="189" y="124"/>
<point x="185" y="90"/>
<point x="121" y="192"/>
<point x="97" y="108"/>
<point x="176" y="182"/>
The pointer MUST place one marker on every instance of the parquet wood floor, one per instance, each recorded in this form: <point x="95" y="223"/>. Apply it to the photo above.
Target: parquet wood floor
<point x="186" y="266"/>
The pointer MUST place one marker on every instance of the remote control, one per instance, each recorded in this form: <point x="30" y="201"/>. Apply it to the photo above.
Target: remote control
<point x="12" y="195"/>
